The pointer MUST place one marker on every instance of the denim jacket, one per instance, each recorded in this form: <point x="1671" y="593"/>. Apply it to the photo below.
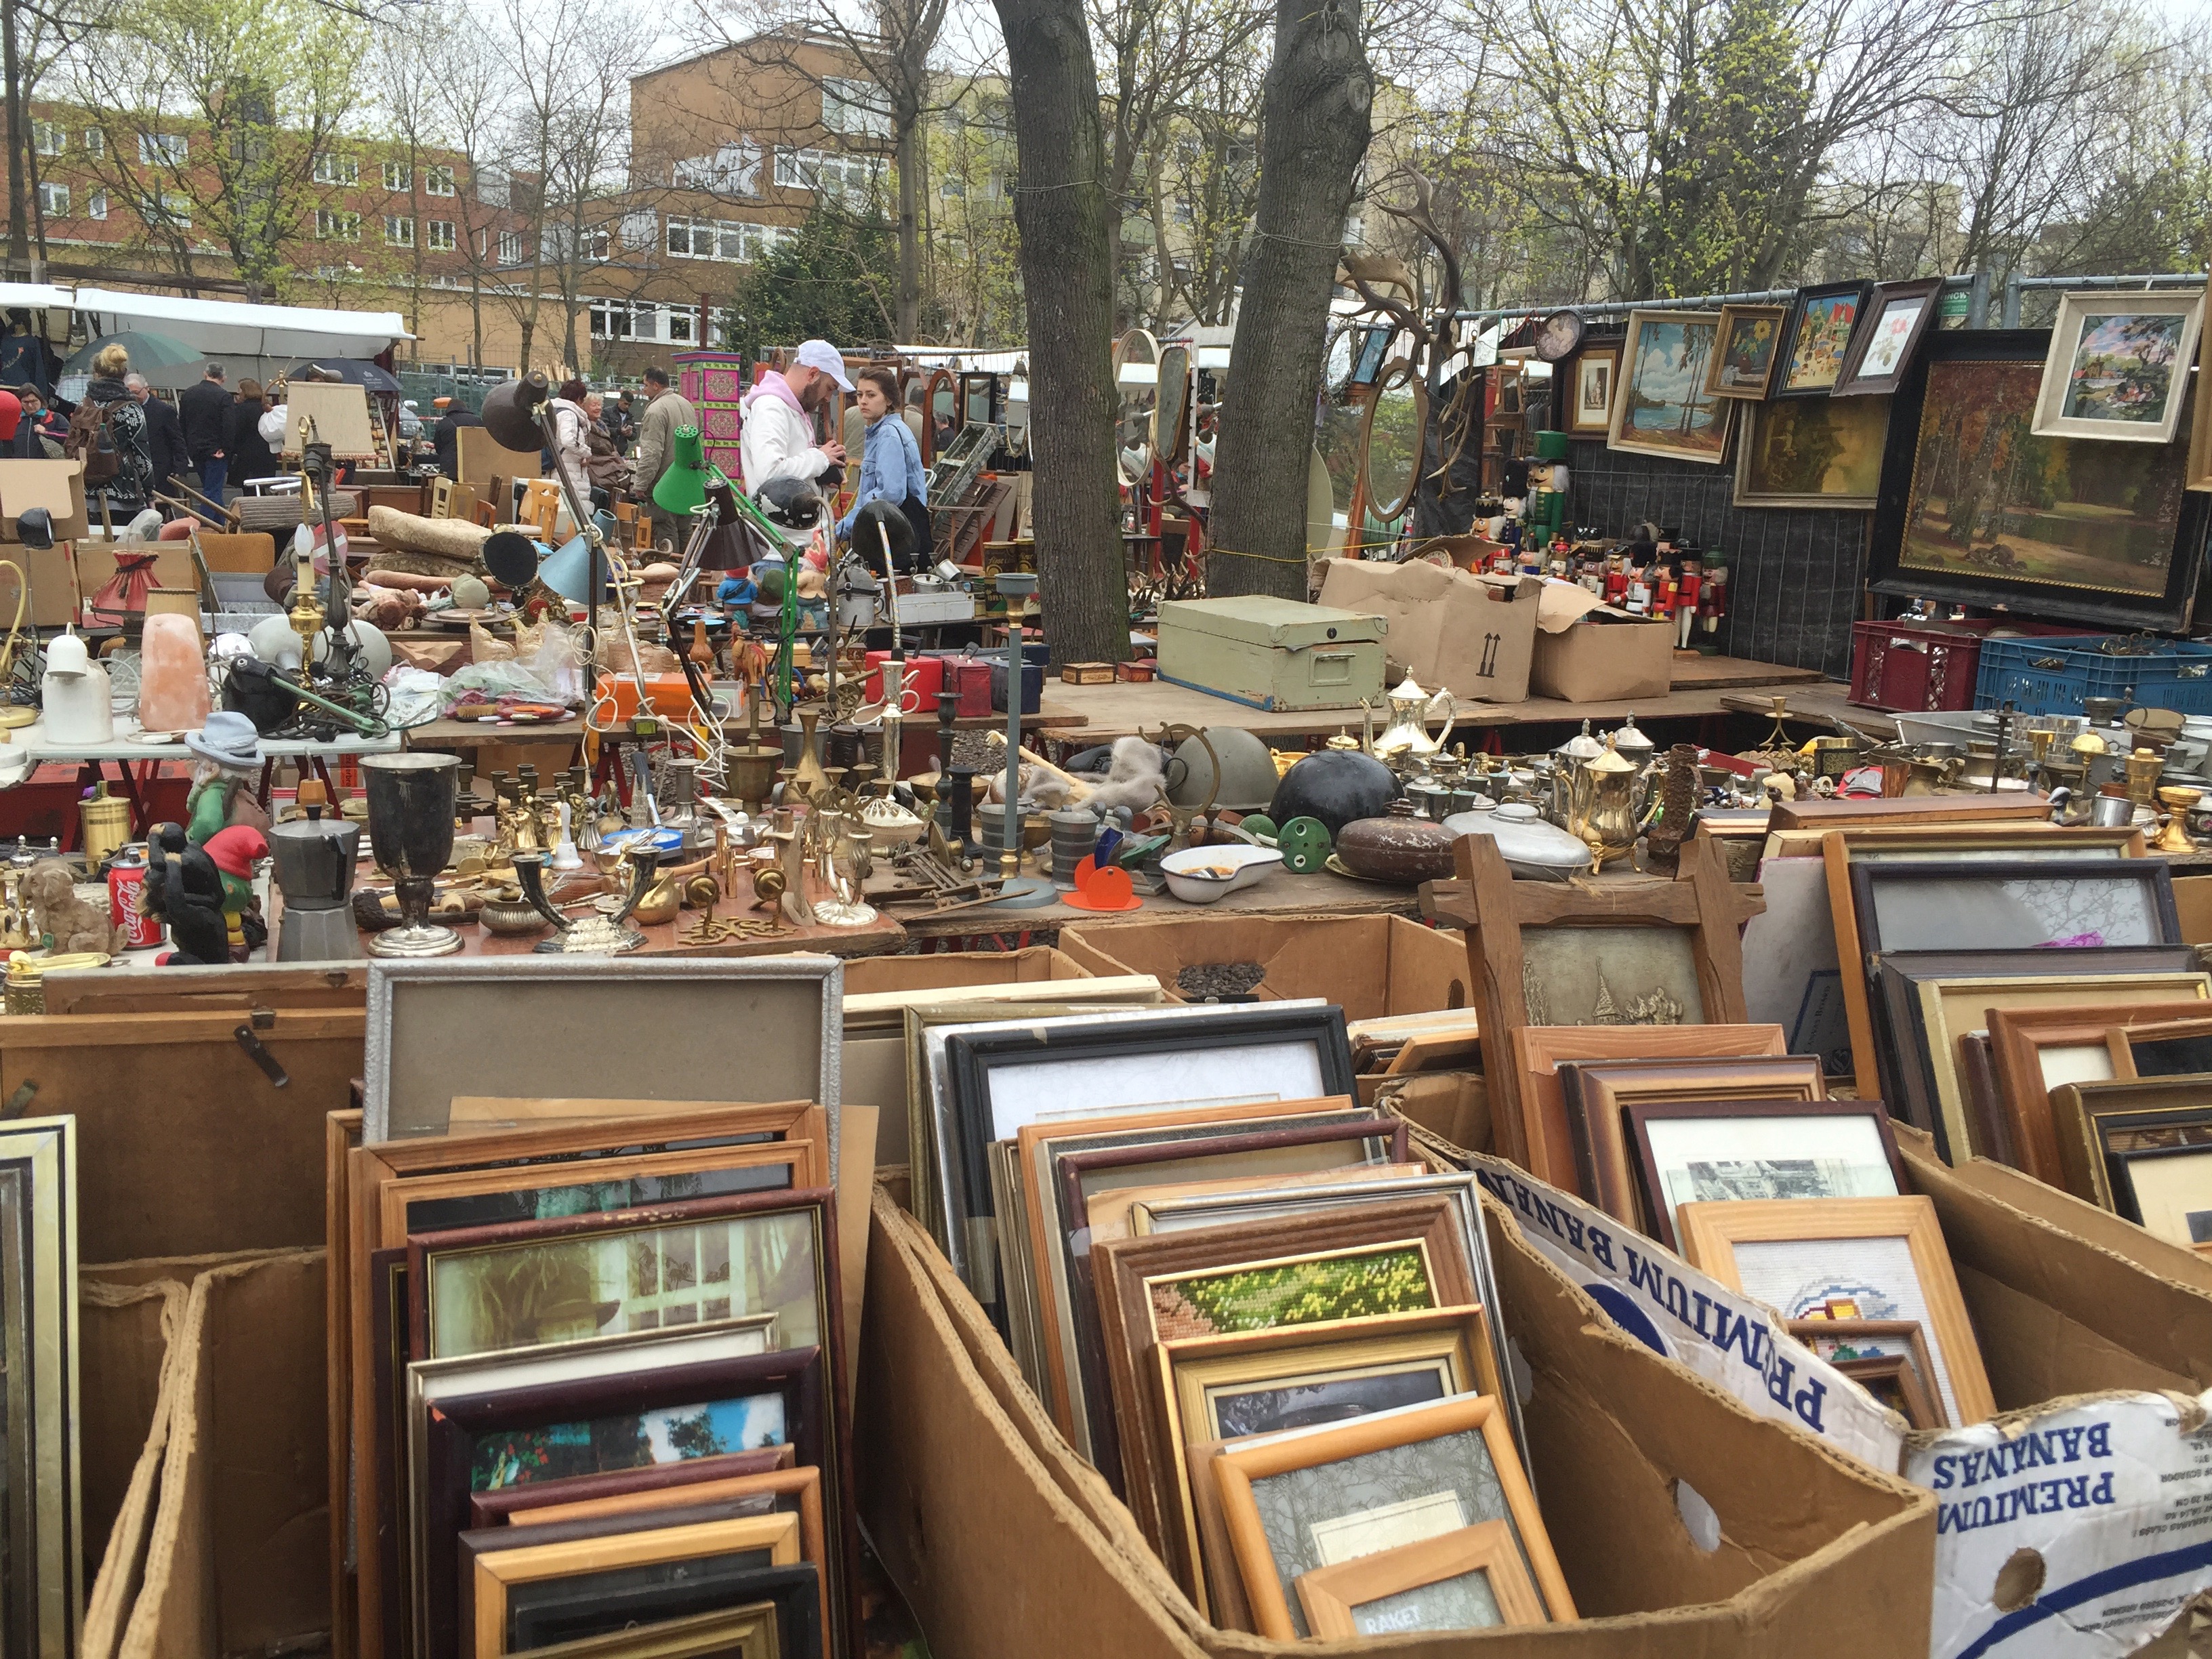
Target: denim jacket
<point x="891" y="469"/>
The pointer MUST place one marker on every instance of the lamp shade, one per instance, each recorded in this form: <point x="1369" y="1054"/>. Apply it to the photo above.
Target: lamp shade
<point x="510" y="412"/>
<point x="683" y="487"/>
<point x="567" y="570"/>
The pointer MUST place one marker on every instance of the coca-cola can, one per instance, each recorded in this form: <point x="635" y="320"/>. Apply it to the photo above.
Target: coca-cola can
<point x="127" y="884"/>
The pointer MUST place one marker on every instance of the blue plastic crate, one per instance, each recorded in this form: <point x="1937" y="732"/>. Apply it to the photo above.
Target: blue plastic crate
<point x="2052" y="675"/>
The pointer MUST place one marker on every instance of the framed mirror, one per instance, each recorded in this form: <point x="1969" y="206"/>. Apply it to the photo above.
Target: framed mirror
<point x="979" y="398"/>
<point x="1136" y="379"/>
<point x="940" y="415"/>
<point x="1171" y="414"/>
<point x="1390" y="439"/>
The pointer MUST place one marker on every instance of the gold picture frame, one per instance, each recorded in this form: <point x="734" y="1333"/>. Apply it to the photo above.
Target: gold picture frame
<point x="731" y="1633"/>
<point x="1662" y="365"/>
<point x="1332" y="1595"/>
<point x="1715" y="1237"/>
<point x="1596" y="383"/>
<point x="1742" y="364"/>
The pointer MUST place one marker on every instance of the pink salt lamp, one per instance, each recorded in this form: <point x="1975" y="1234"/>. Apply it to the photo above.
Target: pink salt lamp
<point x="172" y="683"/>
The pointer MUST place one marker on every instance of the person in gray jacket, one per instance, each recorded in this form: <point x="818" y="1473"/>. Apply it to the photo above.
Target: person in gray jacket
<point x="656" y="436"/>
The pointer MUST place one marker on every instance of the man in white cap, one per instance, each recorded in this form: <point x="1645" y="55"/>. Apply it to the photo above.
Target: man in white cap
<point x="777" y="439"/>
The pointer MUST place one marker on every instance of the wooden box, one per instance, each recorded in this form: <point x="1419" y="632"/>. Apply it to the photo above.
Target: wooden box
<point x="1087" y="673"/>
<point x="1273" y="654"/>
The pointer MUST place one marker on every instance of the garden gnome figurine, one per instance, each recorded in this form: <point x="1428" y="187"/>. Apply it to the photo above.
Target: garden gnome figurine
<point x="233" y="851"/>
<point x="229" y="750"/>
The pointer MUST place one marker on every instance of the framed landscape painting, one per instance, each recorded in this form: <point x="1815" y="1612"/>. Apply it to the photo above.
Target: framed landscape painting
<point x="1817" y="338"/>
<point x="2119" y="366"/>
<point x="1812" y="452"/>
<point x="1978" y="507"/>
<point x="1662" y="407"/>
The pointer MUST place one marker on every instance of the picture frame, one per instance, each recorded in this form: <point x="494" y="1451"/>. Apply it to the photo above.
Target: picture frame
<point x="1856" y="1341"/>
<point x="1886" y="1255"/>
<point x="1960" y="437"/>
<point x="1597" y="1090"/>
<point x="2199" y="473"/>
<point x="1812" y="453"/>
<point x="1892" y="1379"/>
<point x="1804" y="1151"/>
<point x="1340" y="1370"/>
<point x="1596" y="380"/>
<point x="1661" y="406"/>
<point x="1331" y="1597"/>
<point x="2034" y="1050"/>
<point x="2018" y="838"/>
<point x="2117" y="371"/>
<point x="1928" y="999"/>
<point x="2166" y="1191"/>
<point x="2013" y="904"/>
<point x="1283" y="1494"/>
<point x="1745" y="347"/>
<point x="1816" y="339"/>
<point x="492" y="1567"/>
<point x="655" y="1485"/>
<point x="2097" y="1123"/>
<point x="1881" y="347"/>
<point x="2176" y="1046"/>
<point x="750" y="1633"/>
<point x="564" y="1615"/>
<point x="1505" y="920"/>
<point x="41" y="1507"/>
<point x="1124" y="1273"/>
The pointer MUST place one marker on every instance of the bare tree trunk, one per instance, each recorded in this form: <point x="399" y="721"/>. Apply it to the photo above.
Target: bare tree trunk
<point x="1064" y="215"/>
<point x="18" y="215"/>
<point x="1313" y="132"/>
<point x="910" y="165"/>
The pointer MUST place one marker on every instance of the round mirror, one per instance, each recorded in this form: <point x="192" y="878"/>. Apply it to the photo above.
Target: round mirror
<point x="1390" y="439"/>
<point x="941" y="409"/>
<point x="1172" y="415"/>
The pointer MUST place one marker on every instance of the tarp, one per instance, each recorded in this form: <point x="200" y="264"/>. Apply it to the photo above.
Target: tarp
<point x="233" y="328"/>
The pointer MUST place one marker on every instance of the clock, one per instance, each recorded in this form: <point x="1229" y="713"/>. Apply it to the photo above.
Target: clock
<point x="1557" y="335"/>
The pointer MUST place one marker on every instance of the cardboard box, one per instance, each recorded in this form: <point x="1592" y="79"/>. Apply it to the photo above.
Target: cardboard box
<point x="1004" y="1542"/>
<point x="950" y="969"/>
<point x="1474" y="636"/>
<point x="1371" y="965"/>
<point x="58" y="486"/>
<point x="53" y="599"/>
<point x="479" y="457"/>
<point x="1605" y="657"/>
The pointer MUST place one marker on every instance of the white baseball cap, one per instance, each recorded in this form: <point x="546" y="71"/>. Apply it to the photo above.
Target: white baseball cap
<point x="820" y="353"/>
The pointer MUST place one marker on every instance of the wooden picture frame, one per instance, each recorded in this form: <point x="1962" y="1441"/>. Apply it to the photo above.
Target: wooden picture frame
<point x="1330" y="1595"/>
<point x="1809" y="363"/>
<point x="660" y="1484"/>
<point x="2072" y="356"/>
<point x="2085" y="1114"/>
<point x="750" y="1633"/>
<point x="1239" y="1469"/>
<point x="1871" y="812"/>
<point x="1685" y="388"/>
<point x="1879" y="1373"/>
<point x="1872" y="881"/>
<point x="1596" y="1091"/>
<point x="1746" y="374"/>
<point x="2025" y="837"/>
<point x="1495" y="911"/>
<point x="1603" y="360"/>
<point x="1124" y="1270"/>
<point x="1651" y="1187"/>
<point x="2033" y="1050"/>
<point x="567" y="1615"/>
<point x="1847" y="439"/>
<point x="1930" y="998"/>
<point x="1882" y="345"/>
<point x="2144" y="1180"/>
<point x="1452" y="1341"/>
<point x="2176" y="1045"/>
<point x="1712" y="1235"/>
<point x="1902" y="1333"/>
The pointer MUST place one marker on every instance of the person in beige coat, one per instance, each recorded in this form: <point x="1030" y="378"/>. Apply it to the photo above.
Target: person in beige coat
<point x="656" y="444"/>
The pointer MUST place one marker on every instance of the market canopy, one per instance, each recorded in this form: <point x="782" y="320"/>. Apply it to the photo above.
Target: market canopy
<point x="233" y="328"/>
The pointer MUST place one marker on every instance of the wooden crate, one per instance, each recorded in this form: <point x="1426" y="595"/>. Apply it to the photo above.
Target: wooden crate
<point x="1087" y="673"/>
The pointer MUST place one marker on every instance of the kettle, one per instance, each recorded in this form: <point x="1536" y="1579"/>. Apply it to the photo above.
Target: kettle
<point x="74" y="695"/>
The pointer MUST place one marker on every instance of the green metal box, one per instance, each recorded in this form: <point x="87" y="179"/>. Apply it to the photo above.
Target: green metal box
<point x="1273" y="654"/>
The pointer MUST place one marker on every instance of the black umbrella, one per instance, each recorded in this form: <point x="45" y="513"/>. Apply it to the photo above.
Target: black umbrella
<point x="353" y="370"/>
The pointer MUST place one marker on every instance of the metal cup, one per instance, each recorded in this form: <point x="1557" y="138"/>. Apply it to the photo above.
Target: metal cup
<point x="410" y="831"/>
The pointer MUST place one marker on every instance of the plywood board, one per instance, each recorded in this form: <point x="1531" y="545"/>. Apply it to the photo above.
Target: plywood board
<point x="340" y="413"/>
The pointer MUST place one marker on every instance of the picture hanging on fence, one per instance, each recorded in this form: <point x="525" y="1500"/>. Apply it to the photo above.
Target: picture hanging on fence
<point x="1597" y="371"/>
<point x="2200" y="443"/>
<point x="2119" y="366"/>
<point x="1976" y="507"/>
<point x="1743" y="358"/>
<point x="1663" y="407"/>
<point x="1814" y="452"/>
<point x="1817" y="337"/>
<point x="1881" y="351"/>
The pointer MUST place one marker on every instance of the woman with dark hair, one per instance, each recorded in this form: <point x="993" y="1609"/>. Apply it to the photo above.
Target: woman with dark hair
<point x="250" y="454"/>
<point x="891" y="465"/>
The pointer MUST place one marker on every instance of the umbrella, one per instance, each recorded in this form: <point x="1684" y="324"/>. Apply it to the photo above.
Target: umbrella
<point x="353" y="370"/>
<point x="162" y="358"/>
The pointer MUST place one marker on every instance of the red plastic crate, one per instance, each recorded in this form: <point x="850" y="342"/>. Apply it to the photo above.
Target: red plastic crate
<point x="1926" y="668"/>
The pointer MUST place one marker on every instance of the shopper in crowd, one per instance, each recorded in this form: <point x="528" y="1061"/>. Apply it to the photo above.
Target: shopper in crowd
<point x="777" y="438"/>
<point x="890" y="465"/>
<point x="109" y="434"/>
<point x="165" y="435"/>
<point x="609" y="471"/>
<point x="44" y="428"/>
<point x="666" y="411"/>
<point x="204" y="408"/>
<point x="445" y="437"/>
<point x="571" y="447"/>
<point x="251" y="457"/>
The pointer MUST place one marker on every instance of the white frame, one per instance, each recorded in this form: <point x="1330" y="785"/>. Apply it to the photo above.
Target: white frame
<point x="2065" y="339"/>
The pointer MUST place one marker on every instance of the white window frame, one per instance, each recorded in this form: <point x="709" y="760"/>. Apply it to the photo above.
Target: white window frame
<point x="95" y="142"/>
<point x="399" y="229"/>
<point x="510" y="248"/>
<point x="734" y="170"/>
<point x="176" y="207"/>
<point x="49" y="137"/>
<point x="337" y="225"/>
<point x="95" y="205"/>
<point x="164" y="148"/>
<point x="857" y="109"/>
<point x="641" y="230"/>
<point x="53" y="199"/>
<point x="332" y="169"/>
<point x="399" y="176"/>
<point x="438" y="179"/>
<point x="439" y="237"/>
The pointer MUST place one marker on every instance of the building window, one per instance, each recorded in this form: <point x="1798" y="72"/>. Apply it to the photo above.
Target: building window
<point x="95" y="142"/>
<point x="399" y="176"/>
<point x="641" y="230"/>
<point x="53" y="200"/>
<point x="856" y="108"/>
<point x="163" y="149"/>
<point x="95" y="205"/>
<point x="852" y="180"/>
<point x="619" y="319"/>
<point x="679" y="324"/>
<point x="510" y="248"/>
<point x="441" y="236"/>
<point x="725" y="239"/>
<point x="399" y="231"/>
<point x="732" y="170"/>
<point x="50" y="139"/>
<point x="334" y="225"/>
<point x="174" y="208"/>
<point x="337" y="170"/>
<point x="438" y="180"/>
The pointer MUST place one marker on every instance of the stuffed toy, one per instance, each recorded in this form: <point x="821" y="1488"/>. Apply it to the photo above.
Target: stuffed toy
<point x="67" y="922"/>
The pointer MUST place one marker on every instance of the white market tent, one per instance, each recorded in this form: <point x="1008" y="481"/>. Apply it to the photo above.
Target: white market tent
<point x="246" y="339"/>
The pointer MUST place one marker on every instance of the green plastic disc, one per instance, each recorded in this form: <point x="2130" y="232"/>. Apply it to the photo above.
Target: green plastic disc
<point x="1304" y="845"/>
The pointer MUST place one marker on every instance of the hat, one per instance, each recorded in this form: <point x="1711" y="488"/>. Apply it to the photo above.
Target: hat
<point x="227" y="739"/>
<point x="235" y="850"/>
<point x="820" y="353"/>
<point x="441" y="402"/>
<point x="11" y="414"/>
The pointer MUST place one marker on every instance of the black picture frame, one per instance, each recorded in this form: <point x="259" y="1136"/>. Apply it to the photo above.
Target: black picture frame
<point x="562" y="1617"/>
<point x="1868" y="875"/>
<point x="1638" y="1115"/>
<point x="1778" y="385"/>
<point x="2168" y="610"/>
<point x="1851" y="382"/>
<point x="2119" y="1170"/>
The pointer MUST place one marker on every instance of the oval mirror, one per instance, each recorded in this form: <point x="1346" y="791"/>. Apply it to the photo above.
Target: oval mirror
<point x="1390" y="439"/>
<point x="1171" y="414"/>
<point x="941" y="416"/>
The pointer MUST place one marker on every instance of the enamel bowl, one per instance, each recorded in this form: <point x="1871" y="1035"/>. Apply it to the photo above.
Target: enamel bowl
<point x="1199" y="875"/>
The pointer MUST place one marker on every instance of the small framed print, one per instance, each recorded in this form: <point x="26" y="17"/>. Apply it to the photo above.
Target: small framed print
<point x="2118" y="366"/>
<point x="1751" y="1151"/>
<point x="1881" y="349"/>
<point x="1876" y="1346"/>
<point x="1817" y="338"/>
<point x="1471" y="1579"/>
<point x="1597" y="377"/>
<point x="2167" y="1191"/>
<point x="1743" y="354"/>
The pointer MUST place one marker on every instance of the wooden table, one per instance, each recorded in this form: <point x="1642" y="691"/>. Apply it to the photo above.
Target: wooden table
<point x="1280" y="895"/>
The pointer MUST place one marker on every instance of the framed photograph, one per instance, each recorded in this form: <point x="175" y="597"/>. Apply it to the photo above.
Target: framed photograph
<point x="1881" y="350"/>
<point x="2119" y="366"/>
<point x="2000" y="904"/>
<point x="2166" y="1190"/>
<point x="40" y="1521"/>
<point x="553" y="1616"/>
<point x="1386" y="1256"/>
<point x="1662" y="407"/>
<point x="1749" y="1152"/>
<point x="1884" y="1256"/>
<point x="1978" y="508"/>
<point x="1597" y="1090"/>
<point x="1317" y="1497"/>
<point x="675" y="1555"/>
<point x="1812" y="453"/>
<point x="1471" y="1579"/>
<point x="1744" y="351"/>
<point x="1929" y="999"/>
<point x="1529" y="952"/>
<point x="1817" y="337"/>
<point x="1891" y="1356"/>
<point x="2034" y="1050"/>
<point x="1597" y="377"/>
